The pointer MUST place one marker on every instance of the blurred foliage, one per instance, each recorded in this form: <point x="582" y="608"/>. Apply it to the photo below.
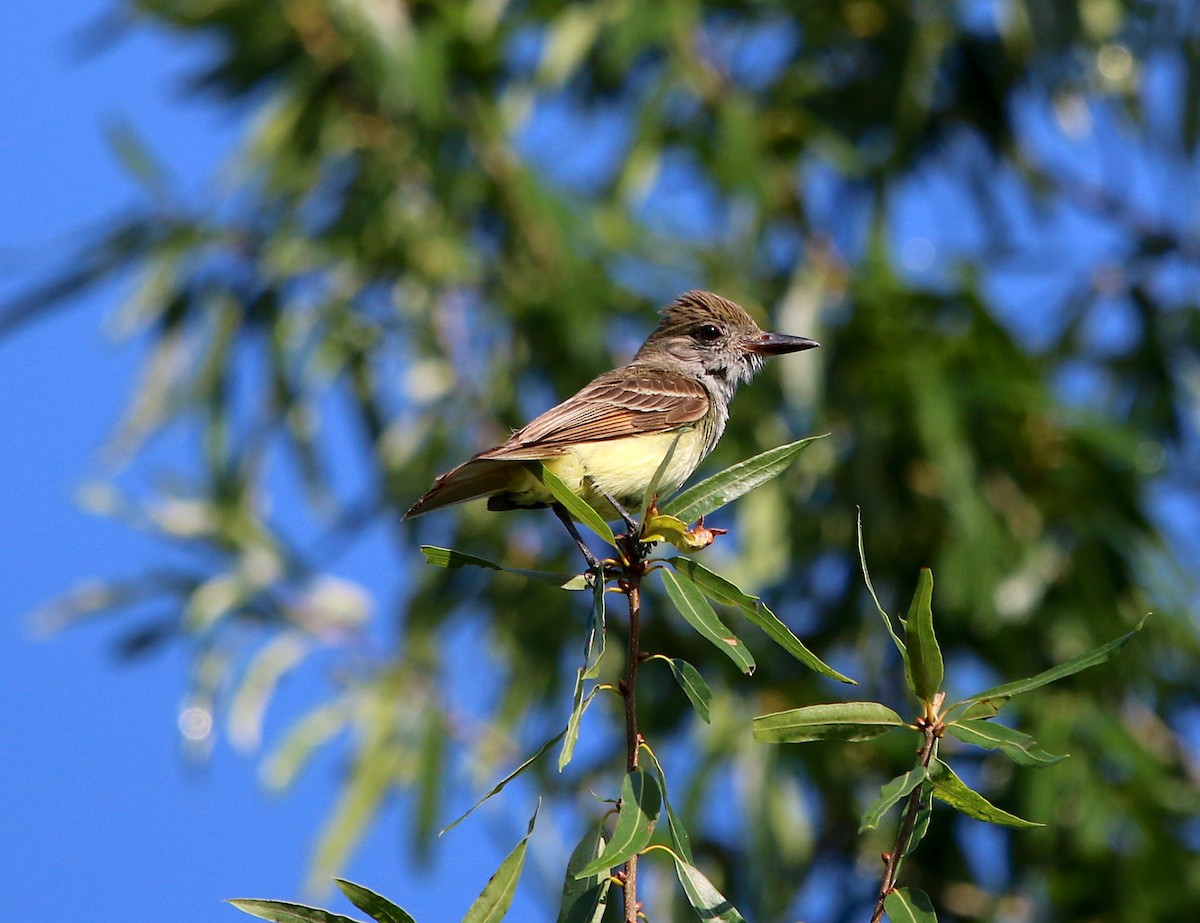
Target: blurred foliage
<point x="446" y="215"/>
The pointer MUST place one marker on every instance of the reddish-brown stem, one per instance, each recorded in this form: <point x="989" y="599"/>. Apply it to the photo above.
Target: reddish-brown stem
<point x="631" y="584"/>
<point x="908" y="823"/>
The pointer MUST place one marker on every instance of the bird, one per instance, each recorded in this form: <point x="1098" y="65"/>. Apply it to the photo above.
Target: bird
<point x="608" y="440"/>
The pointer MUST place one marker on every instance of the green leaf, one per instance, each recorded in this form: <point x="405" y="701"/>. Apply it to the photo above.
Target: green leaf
<point x="709" y="903"/>
<point x="493" y="902"/>
<point x="890" y="795"/>
<point x="693" y="685"/>
<point x="452" y="560"/>
<point x="579" y="705"/>
<point x="656" y="481"/>
<point x="909" y="905"/>
<point x="725" y="487"/>
<point x="953" y="791"/>
<point x="1020" y="748"/>
<point x="923" y="663"/>
<point x="920" y="828"/>
<point x="283" y="912"/>
<point x="499" y="786"/>
<point x="680" y="838"/>
<point x="838" y="721"/>
<point x="695" y="608"/>
<point x="720" y="590"/>
<point x="574" y="505"/>
<point x="641" y="799"/>
<point x="887" y="621"/>
<point x="376" y="907"/>
<point x="584" y="899"/>
<point x="995" y="697"/>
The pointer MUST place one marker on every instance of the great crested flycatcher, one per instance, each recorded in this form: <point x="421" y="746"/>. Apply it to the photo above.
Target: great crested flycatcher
<point x="607" y="441"/>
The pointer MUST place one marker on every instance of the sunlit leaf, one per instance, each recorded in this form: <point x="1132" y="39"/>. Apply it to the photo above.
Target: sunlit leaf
<point x="923" y="658"/>
<point x="641" y="800"/>
<point x="909" y="905"/>
<point x="715" y="492"/>
<point x="496" y="897"/>
<point x="949" y="788"/>
<point x="375" y="906"/>
<point x="573" y="504"/>
<point x="693" y="685"/>
<point x="691" y="604"/>
<point x="499" y="786"/>
<point x="890" y="795"/>
<point x="706" y="900"/>
<point x="1020" y="748"/>
<point x="284" y="912"/>
<point x="840" y="721"/>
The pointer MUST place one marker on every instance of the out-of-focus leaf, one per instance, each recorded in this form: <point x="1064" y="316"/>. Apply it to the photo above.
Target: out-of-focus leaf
<point x="909" y="905"/>
<point x="890" y="795"/>
<point x="840" y="721"/>
<point x="277" y="657"/>
<point x="641" y="799"/>
<point x="137" y="159"/>
<point x="499" y="786"/>
<point x="1020" y="748"/>
<point x="451" y="559"/>
<point x="949" y="788"/>
<point x="718" y="589"/>
<point x="706" y="900"/>
<point x="377" y="907"/>
<point x="306" y="735"/>
<point x="715" y="492"/>
<point x="691" y="604"/>
<point x="923" y="667"/>
<point x="998" y="695"/>
<point x="493" y="902"/>
<point x="584" y="899"/>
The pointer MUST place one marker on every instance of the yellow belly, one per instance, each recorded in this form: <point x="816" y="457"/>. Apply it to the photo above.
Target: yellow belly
<point x="622" y="468"/>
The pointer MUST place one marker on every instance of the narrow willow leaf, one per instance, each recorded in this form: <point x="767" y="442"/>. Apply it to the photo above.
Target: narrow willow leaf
<point x="890" y="795"/>
<point x="921" y="827"/>
<point x="693" y="685"/>
<point x="998" y="695"/>
<point x="695" y="608"/>
<point x="909" y="905"/>
<point x="641" y="799"/>
<point x="709" y="903"/>
<point x="493" y="902"/>
<point x="376" y="907"/>
<point x="574" y="505"/>
<point x="499" y="786"/>
<point x="431" y="776"/>
<point x="283" y="912"/>
<point x="987" y="708"/>
<point x="839" y="721"/>
<point x="680" y="838"/>
<point x="949" y="788"/>
<point x="923" y="667"/>
<point x="579" y="705"/>
<point x="656" y="481"/>
<point x="584" y="899"/>
<point x="722" y="488"/>
<point x="720" y="590"/>
<point x="887" y="620"/>
<point x="1020" y="748"/>
<point x="452" y="560"/>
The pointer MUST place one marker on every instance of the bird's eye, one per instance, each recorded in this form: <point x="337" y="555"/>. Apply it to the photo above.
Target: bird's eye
<point x="708" y="332"/>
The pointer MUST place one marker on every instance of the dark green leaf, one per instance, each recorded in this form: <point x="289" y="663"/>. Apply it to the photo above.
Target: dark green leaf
<point x="921" y="827"/>
<point x="720" y="590"/>
<point x="695" y="608"/>
<point x="1020" y="748"/>
<point x="377" y="907"/>
<point x="584" y="899"/>
<point x="706" y="900"/>
<point x="890" y="795"/>
<point x="923" y="661"/>
<point x="574" y="505"/>
<point x="452" y="560"/>
<point x="680" y="838"/>
<point x="508" y="778"/>
<point x="693" y="685"/>
<point x="589" y="670"/>
<point x="641" y="799"/>
<point x="998" y="695"/>
<point x="579" y="705"/>
<point x="953" y="791"/>
<point x="493" y="902"/>
<point x="839" y="721"/>
<point x="887" y="621"/>
<point x="909" y="905"/>
<point x="714" y="492"/>
<point x="283" y="912"/>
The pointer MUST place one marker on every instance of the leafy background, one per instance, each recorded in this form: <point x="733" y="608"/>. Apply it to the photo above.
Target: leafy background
<point x="442" y="216"/>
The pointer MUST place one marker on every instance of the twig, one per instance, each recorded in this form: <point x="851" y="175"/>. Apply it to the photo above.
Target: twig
<point x="912" y="808"/>
<point x="633" y="569"/>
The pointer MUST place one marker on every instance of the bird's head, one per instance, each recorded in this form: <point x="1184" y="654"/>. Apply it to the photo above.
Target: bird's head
<point x="715" y="339"/>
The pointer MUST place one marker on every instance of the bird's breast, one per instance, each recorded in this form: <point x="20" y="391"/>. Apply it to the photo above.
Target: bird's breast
<point x="624" y="468"/>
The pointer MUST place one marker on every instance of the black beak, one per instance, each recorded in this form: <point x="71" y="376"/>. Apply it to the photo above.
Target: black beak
<point x="776" y="344"/>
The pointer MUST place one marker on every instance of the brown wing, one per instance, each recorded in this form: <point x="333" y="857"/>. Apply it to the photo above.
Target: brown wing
<point x="624" y="402"/>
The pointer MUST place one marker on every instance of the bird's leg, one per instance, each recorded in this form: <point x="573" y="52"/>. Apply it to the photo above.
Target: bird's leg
<point x="564" y="517"/>
<point x="630" y="523"/>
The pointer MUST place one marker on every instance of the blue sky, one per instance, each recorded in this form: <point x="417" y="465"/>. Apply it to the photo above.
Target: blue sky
<point x="102" y="817"/>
